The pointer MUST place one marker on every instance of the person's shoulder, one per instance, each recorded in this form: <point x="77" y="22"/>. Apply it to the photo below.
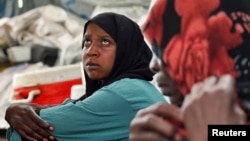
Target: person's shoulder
<point x="134" y="90"/>
<point x="133" y="86"/>
<point x="130" y="82"/>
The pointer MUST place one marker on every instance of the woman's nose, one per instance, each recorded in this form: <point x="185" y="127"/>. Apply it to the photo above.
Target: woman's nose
<point x="154" y="64"/>
<point x="92" y="51"/>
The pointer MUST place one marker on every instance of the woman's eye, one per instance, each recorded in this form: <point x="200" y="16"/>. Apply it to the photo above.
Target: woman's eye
<point x="105" y="42"/>
<point x="86" y="42"/>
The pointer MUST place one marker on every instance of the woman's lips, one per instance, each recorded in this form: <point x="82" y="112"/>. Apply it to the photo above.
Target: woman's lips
<point x="92" y="66"/>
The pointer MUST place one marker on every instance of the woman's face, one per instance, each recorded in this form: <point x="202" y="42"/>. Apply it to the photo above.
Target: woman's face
<point x="99" y="52"/>
<point x="164" y="81"/>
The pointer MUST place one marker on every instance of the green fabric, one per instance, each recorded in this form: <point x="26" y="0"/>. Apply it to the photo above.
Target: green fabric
<point x="104" y="116"/>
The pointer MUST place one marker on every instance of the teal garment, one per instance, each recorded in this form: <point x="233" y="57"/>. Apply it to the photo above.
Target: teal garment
<point x="104" y="116"/>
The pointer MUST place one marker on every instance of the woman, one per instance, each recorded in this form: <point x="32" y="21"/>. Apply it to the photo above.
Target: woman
<point x="115" y="60"/>
<point x="203" y="47"/>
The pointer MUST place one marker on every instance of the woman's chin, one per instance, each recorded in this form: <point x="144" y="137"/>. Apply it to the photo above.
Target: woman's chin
<point x="169" y="92"/>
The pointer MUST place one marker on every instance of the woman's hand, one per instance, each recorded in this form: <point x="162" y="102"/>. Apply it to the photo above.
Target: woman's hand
<point x="23" y="118"/>
<point x="213" y="101"/>
<point x="150" y="124"/>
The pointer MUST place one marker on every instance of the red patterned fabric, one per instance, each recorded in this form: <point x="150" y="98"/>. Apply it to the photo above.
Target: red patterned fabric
<point x="200" y="48"/>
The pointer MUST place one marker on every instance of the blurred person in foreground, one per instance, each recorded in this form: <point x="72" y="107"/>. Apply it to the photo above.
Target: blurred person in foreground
<point x="201" y="60"/>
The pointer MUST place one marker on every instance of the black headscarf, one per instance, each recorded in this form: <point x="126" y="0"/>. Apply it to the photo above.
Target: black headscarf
<point x="132" y="53"/>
